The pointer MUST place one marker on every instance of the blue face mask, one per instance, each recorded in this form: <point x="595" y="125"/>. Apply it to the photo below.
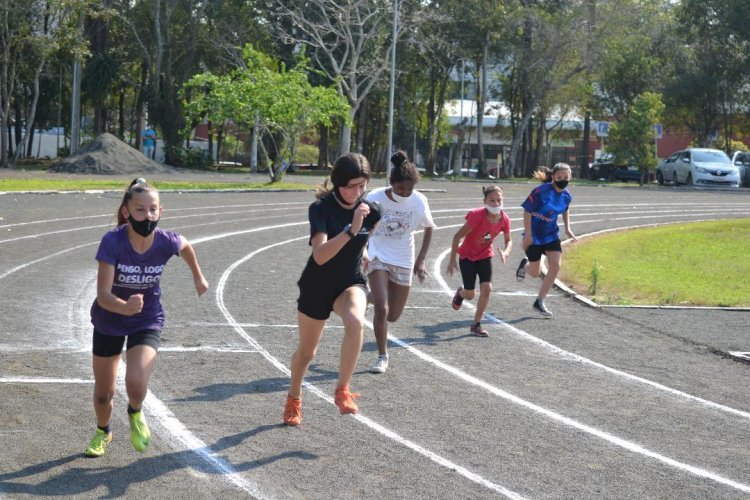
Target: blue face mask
<point x="561" y="184"/>
<point x="143" y="227"/>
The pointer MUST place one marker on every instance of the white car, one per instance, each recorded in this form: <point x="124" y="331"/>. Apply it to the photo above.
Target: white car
<point x="741" y="160"/>
<point x="698" y="167"/>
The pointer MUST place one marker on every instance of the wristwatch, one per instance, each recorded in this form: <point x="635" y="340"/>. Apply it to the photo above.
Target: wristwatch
<point x="348" y="231"/>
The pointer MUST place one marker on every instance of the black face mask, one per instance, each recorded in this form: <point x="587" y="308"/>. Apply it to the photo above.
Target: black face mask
<point x="143" y="227"/>
<point x="561" y="184"/>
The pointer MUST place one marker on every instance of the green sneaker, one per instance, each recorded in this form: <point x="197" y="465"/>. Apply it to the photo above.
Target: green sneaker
<point x="98" y="444"/>
<point x="140" y="436"/>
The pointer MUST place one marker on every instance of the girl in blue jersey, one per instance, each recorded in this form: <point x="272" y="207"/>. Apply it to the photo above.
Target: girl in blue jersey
<point x="541" y="234"/>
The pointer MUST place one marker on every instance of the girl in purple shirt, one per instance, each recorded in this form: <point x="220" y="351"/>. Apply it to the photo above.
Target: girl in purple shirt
<point x="131" y="259"/>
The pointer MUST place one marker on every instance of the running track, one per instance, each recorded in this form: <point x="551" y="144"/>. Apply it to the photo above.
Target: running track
<point x="625" y="403"/>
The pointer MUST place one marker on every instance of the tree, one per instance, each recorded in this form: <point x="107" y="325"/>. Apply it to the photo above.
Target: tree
<point x="30" y="34"/>
<point x="348" y="42"/>
<point x="283" y="100"/>
<point x="631" y="140"/>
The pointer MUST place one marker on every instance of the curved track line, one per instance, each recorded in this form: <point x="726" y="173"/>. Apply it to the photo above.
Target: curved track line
<point x="318" y="392"/>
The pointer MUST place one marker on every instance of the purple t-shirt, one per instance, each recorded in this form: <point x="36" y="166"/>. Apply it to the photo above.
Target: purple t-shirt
<point x="134" y="273"/>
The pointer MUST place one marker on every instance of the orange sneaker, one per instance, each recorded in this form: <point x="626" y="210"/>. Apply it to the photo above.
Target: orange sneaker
<point x="292" y="411"/>
<point x="345" y="400"/>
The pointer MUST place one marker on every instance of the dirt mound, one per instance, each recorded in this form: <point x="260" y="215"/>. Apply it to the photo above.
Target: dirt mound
<point x="109" y="155"/>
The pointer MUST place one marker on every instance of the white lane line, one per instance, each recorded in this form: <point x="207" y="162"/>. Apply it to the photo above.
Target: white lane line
<point x="576" y="357"/>
<point x="315" y="390"/>
<point x="739" y="354"/>
<point x="42" y="259"/>
<point x="180" y="434"/>
<point x="628" y="445"/>
<point x="44" y="380"/>
<point x="173" y="431"/>
<point x="206" y="349"/>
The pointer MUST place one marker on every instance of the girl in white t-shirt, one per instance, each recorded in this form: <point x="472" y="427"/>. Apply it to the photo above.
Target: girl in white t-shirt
<point x="391" y="249"/>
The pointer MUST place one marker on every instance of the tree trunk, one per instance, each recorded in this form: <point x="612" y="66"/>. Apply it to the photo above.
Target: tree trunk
<point x="361" y="127"/>
<point x="323" y="146"/>
<point x="584" y="162"/>
<point x="32" y="111"/>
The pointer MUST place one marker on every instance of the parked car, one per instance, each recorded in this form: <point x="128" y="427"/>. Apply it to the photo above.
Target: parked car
<point x="698" y="166"/>
<point x="741" y="160"/>
<point x="604" y="168"/>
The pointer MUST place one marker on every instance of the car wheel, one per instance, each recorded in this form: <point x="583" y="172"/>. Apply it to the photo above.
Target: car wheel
<point x="659" y="178"/>
<point x="689" y="180"/>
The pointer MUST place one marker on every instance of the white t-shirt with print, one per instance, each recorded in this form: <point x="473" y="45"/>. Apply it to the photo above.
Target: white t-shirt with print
<point x="393" y="239"/>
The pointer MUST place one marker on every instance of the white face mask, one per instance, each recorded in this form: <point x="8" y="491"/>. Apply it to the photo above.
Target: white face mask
<point x="397" y="198"/>
<point x="494" y="210"/>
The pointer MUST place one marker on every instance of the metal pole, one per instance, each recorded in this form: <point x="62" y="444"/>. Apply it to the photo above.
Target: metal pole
<point x="75" y="100"/>
<point x="75" y="111"/>
<point x="390" y="93"/>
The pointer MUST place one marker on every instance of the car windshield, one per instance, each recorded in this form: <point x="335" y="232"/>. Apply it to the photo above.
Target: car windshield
<point x="710" y="157"/>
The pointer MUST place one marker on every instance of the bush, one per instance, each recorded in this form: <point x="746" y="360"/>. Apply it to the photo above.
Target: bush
<point x="306" y="153"/>
<point x="192" y="158"/>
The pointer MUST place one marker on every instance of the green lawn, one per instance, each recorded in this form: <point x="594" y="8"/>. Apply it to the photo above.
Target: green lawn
<point x="82" y="184"/>
<point x="701" y="263"/>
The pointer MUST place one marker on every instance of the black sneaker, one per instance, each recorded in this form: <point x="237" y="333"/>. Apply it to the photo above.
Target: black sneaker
<point x="457" y="299"/>
<point x="521" y="271"/>
<point x="477" y="330"/>
<point x="541" y="308"/>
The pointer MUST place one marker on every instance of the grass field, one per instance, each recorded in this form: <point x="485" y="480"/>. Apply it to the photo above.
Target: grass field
<point x="94" y="184"/>
<point x="702" y="263"/>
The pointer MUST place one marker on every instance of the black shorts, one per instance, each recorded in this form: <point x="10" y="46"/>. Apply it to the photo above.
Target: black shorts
<point x="111" y="345"/>
<point x="317" y="300"/>
<point x="470" y="269"/>
<point x="534" y="252"/>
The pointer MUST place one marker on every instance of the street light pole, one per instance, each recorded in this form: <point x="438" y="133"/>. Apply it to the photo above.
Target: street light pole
<point x="390" y="93"/>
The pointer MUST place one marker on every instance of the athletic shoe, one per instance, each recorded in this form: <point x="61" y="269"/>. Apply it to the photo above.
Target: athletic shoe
<point x="457" y="299"/>
<point x="140" y="435"/>
<point x="380" y="365"/>
<point x="477" y="330"/>
<point x="98" y="444"/>
<point x="292" y="411"/>
<point x="521" y="271"/>
<point x="541" y="308"/>
<point x="345" y="400"/>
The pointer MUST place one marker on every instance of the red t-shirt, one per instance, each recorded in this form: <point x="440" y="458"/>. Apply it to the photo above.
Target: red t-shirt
<point x="477" y="245"/>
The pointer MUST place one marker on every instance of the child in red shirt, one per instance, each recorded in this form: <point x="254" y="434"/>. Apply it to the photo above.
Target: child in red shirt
<point x="482" y="226"/>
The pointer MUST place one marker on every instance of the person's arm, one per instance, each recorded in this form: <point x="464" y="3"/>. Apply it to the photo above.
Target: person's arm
<point x="325" y="249"/>
<point x="527" y="236"/>
<point x="460" y="234"/>
<point x="105" y="278"/>
<point x="419" y="268"/>
<point x="566" y="221"/>
<point x="508" y="247"/>
<point x="188" y="255"/>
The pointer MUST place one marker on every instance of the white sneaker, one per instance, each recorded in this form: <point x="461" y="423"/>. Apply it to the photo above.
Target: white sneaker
<point x="380" y="365"/>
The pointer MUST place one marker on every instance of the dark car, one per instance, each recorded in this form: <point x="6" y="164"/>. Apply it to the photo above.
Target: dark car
<point x="604" y="168"/>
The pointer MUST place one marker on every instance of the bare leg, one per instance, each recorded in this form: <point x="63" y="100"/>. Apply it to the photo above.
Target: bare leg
<point x="397" y="296"/>
<point x="380" y="298"/>
<point x="554" y="260"/>
<point x="350" y="306"/>
<point x="140" y="363"/>
<point x="310" y="332"/>
<point x="105" y="377"/>
<point x="485" y="290"/>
